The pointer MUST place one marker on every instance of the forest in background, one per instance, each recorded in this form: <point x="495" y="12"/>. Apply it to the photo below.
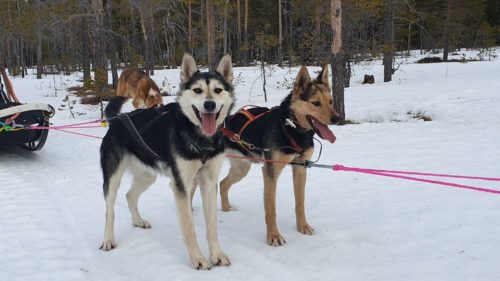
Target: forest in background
<point x="101" y="35"/>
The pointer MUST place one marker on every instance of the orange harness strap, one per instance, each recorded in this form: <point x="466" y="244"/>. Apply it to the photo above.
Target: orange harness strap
<point x="236" y="137"/>
<point x="250" y="118"/>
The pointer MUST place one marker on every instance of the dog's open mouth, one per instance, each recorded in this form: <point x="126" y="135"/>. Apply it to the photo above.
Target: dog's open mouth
<point x="321" y="129"/>
<point x="208" y="121"/>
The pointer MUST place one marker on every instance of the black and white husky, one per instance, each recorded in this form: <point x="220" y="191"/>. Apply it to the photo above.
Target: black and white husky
<point x="180" y="140"/>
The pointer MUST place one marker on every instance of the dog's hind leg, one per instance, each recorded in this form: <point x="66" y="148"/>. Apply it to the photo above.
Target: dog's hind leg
<point x="111" y="186"/>
<point x="140" y="95"/>
<point x="299" y="186"/>
<point x="140" y="184"/>
<point x="208" y="188"/>
<point x="239" y="169"/>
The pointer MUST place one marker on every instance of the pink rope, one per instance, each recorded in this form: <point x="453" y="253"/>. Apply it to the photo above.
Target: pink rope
<point x="384" y="173"/>
<point x="70" y="126"/>
<point x="388" y="174"/>
<point x="80" y="134"/>
<point x="88" y="122"/>
<point x="62" y="127"/>
<point x="428" y="174"/>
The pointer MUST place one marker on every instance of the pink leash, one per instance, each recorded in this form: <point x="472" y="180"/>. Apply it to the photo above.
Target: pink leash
<point x="394" y="174"/>
<point x="82" y="125"/>
<point x="383" y="173"/>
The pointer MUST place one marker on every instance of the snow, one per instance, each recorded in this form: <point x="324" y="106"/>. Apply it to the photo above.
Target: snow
<point x="367" y="227"/>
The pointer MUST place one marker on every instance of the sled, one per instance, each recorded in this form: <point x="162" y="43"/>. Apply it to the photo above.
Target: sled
<point x="16" y="120"/>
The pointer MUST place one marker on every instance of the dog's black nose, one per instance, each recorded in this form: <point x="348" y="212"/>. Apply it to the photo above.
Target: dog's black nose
<point x="209" y="105"/>
<point x="335" y="119"/>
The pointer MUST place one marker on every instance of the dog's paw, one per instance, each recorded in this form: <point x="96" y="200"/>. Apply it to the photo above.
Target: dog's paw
<point x="275" y="240"/>
<point x="200" y="263"/>
<point x="142" y="223"/>
<point x="220" y="259"/>
<point x="305" y="229"/>
<point x="108" y="244"/>
<point x="228" y="208"/>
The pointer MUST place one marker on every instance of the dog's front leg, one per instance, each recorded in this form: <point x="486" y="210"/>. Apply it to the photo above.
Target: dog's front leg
<point x="271" y="172"/>
<point x="181" y="185"/>
<point x="299" y="186"/>
<point x="208" y="187"/>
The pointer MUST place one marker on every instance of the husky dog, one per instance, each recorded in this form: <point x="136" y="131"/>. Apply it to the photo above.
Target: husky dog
<point x="136" y="84"/>
<point x="280" y="135"/>
<point x="180" y="140"/>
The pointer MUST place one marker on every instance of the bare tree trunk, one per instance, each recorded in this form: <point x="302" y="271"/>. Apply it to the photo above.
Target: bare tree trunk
<point x="263" y="73"/>
<point x="409" y="40"/>
<point x="290" y="45"/>
<point x="39" y="63"/>
<point x="146" y="39"/>
<point x="447" y="31"/>
<point x="190" y="28"/>
<point x="111" y="43"/>
<point x="280" y="35"/>
<point x="225" y="26"/>
<point x="337" y="58"/>
<point x="151" y="62"/>
<point x="347" y="71"/>
<point x="210" y="35"/>
<point x="238" y="29"/>
<point x="388" y="39"/>
<point x="134" y="38"/>
<point x="99" y="57"/>
<point x="167" y="42"/>
<point x="317" y="38"/>
<point x="421" y="40"/>
<point x="9" y="39"/>
<point x="245" y="36"/>
<point x="85" y="53"/>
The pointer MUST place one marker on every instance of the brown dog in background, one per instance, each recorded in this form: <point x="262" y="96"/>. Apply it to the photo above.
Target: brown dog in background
<point x="136" y="84"/>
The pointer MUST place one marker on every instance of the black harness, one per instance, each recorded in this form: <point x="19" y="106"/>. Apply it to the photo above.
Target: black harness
<point x="251" y="113"/>
<point x="136" y="135"/>
<point x="127" y="123"/>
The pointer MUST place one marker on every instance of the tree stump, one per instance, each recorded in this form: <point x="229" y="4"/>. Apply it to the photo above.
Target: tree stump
<point x="369" y="79"/>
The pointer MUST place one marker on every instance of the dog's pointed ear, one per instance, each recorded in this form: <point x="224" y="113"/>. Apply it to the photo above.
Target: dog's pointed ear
<point x="301" y="80"/>
<point x="323" y="76"/>
<point x="188" y="67"/>
<point x="225" y="68"/>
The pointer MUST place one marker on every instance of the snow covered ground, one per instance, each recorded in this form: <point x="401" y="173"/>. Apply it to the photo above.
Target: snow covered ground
<point x="367" y="227"/>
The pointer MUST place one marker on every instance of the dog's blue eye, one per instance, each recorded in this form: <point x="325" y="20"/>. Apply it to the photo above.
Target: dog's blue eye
<point x="316" y="103"/>
<point x="218" y="90"/>
<point x="198" y="90"/>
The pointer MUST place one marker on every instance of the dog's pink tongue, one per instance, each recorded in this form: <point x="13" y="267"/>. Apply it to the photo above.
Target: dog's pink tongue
<point x="208" y="123"/>
<point x="325" y="132"/>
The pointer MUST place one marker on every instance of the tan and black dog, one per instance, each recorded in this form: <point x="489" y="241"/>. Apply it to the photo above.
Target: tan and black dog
<point x="283" y="134"/>
<point x="136" y="84"/>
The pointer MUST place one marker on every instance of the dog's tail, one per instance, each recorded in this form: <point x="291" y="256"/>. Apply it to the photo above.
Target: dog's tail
<point x="114" y="106"/>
